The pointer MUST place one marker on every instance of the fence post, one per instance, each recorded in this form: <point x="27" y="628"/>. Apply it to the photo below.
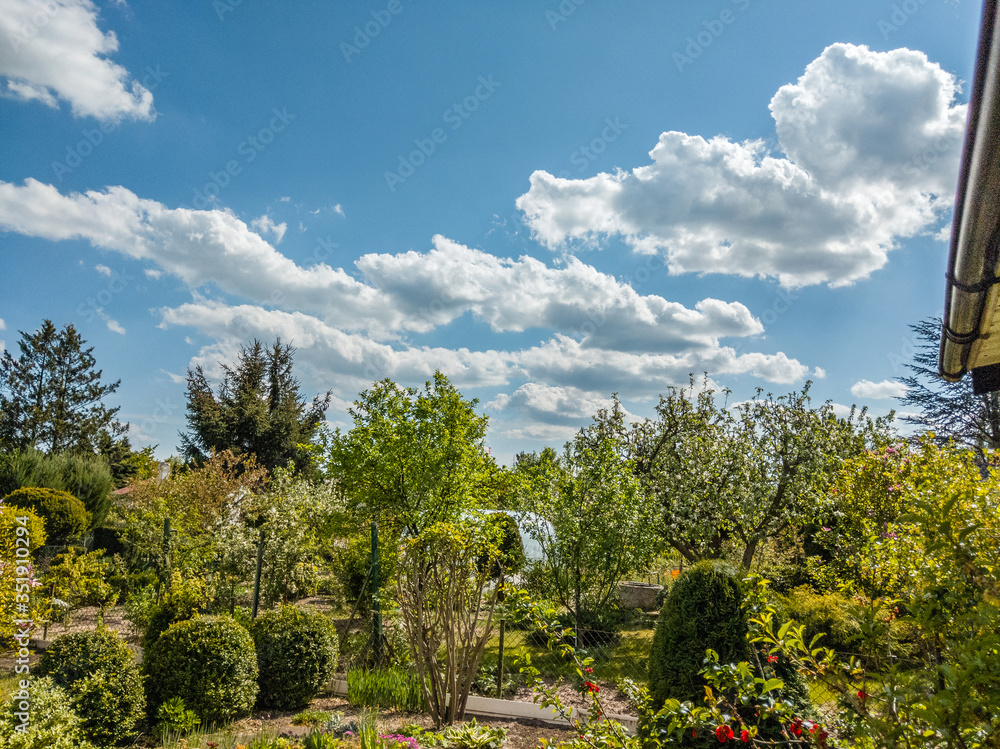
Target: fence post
<point x="503" y="628"/>
<point x="376" y="611"/>
<point x="256" y="576"/>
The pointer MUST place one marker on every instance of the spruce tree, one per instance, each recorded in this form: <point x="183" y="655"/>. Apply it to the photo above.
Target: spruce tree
<point x="949" y="409"/>
<point x="257" y="409"/>
<point x="51" y="395"/>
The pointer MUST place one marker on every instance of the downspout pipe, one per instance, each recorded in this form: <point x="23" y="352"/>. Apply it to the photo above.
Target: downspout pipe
<point x="972" y="290"/>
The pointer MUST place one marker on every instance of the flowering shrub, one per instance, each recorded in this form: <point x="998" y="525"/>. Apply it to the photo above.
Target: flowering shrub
<point x="926" y="583"/>
<point x="743" y="704"/>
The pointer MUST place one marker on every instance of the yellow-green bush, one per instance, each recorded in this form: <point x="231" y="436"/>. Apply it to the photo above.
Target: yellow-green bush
<point x="64" y="514"/>
<point x="22" y="533"/>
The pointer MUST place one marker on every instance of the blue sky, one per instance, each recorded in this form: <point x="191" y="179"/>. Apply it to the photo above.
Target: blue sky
<point x="550" y="202"/>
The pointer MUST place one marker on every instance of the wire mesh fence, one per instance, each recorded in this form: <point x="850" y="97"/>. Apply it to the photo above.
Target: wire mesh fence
<point x="617" y="654"/>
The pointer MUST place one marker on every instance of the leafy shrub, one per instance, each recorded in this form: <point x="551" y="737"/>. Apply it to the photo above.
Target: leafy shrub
<point x="86" y="477"/>
<point x="54" y="723"/>
<point x="830" y="614"/>
<point x="81" y="579"/>
<point x="184" y="598"/>
<point x="486" y="681"/>
<point x="173" y="717"/>
<point x="704" y="610"/>
<point x="510" y="559"/>
<point x="352" y="563"/>
<point x="207" y="661"/>
<point x="296" y="655"/>
<point x="102" y="677"/>
<point x="390" y="687"/>
<point x="319" y="738"/>
<point x="140" y="605"/>
<point x="64" y="515"/>
<point x="13" y="532"/>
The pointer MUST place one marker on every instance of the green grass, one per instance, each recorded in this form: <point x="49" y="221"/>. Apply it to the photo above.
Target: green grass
<point x="626" y="659"/>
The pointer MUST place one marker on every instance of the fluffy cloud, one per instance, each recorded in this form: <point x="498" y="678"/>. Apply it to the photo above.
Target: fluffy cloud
<point x="596" y="334"/>
<point x="564" y="361"/>
<point x="436" y="287"/>
<point x="196" y="246"/>
<point x="52" y="50"/>
<point x="405" y="292"/>
<point x="868" y="390"/>
<point x="871" y="144"/>
<point x="332" y="355"/>
<point x="568" y="406"/>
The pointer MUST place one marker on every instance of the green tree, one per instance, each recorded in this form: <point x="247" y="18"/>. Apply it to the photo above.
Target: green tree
<point x="603" y="526"/>
<point x="743" y="477"/>
<point x="126" y="465"/>
<point x="258" y="410"/>
<point x="413" y="458"/>
<point x="948" y="409"/>
<point x="51" y="394"/>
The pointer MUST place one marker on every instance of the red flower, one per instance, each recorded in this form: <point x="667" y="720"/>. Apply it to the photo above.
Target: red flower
<point x="863" y="695"/>
<point x="772" y="659"/>
<point x="589" y="686"/>
<point x="723" y="734"/>
<point x="796" y="726"/>
<point x="588" y="670"/>
<point x="694" y="734"/>
<point x="744" y="736"/>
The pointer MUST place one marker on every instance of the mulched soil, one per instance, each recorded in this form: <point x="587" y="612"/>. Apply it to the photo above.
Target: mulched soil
<point x="520" y="734"/>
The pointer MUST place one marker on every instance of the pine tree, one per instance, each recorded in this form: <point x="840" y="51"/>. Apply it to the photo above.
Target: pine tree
<point x="258" y="409"/>
<point x="949" y="409"/>
<point x="51" y="395"/>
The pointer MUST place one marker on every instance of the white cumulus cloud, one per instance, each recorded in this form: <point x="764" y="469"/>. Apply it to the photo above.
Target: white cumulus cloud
<point x="54" y="50"/>
<point x="878" y="390"/>
<point x="871" y="144"/>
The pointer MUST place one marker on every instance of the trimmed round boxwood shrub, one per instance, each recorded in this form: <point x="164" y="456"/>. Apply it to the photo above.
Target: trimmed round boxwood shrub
<point x="703" y="610"/>
<point x="64" y="515"/>
<point x="296" y="655"/>
<point x="209" y="662"/>
<point x="102" y="677"/>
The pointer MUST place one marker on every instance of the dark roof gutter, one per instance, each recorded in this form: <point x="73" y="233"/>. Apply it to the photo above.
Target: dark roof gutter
<point x="973" y="259"/>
